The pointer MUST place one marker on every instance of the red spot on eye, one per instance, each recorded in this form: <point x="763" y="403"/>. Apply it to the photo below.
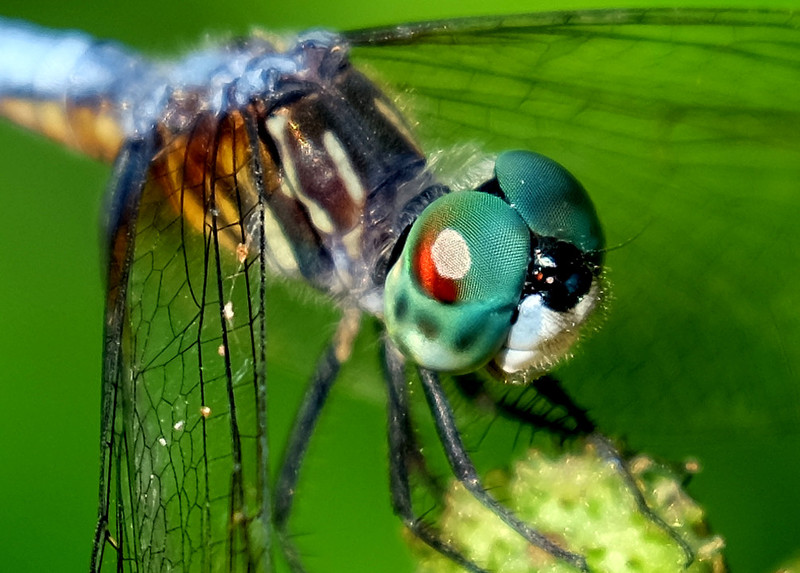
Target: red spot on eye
<point x="441" y="288"/>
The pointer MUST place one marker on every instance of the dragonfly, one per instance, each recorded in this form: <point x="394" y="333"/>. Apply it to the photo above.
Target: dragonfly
<point x="407" y="47"/>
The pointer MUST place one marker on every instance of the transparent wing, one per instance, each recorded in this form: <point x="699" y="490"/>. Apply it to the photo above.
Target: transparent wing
<point x="184" y="441"/>
<point x="684" y="127"/>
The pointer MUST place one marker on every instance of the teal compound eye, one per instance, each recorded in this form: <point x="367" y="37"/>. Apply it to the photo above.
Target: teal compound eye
<point x="451" y="296"/>
<point x="550" y="200"/>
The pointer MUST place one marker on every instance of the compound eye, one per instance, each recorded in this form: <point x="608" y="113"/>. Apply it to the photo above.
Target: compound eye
<point x="549" y="199"/>
<point x="450" y="298"/>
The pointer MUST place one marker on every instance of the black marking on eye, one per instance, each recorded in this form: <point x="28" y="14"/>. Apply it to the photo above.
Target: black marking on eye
<point x="401" y="307"/>
<point x="428" y="327"/>
<point x="466" y="339"/>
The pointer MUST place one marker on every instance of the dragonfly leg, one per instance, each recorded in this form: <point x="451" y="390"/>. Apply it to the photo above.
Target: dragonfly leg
<point x="464" y="470"/>
<point x="609" y="452"/>
<point x="540" y="405"/>
<point x="572" y="421"/>
<point x="337" y="352"/>
<point x="403" y="455"/>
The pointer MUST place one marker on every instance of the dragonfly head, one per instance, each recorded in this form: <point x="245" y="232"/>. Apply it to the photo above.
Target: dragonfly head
<point x="507" y="273"/>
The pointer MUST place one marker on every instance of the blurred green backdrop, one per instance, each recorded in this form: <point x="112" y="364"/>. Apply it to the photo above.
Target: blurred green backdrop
<point x="50" y="342"/>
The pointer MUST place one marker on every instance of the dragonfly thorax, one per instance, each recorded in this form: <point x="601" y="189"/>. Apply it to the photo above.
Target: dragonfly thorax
<point x="313" y="153"/>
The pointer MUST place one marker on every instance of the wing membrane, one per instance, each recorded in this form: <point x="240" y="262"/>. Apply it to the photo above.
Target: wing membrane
<point x="683" y="126"/>
<point x="188" y="490"/>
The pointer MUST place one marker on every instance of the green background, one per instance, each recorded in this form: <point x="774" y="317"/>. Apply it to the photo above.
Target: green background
<point x="51" y="320"/>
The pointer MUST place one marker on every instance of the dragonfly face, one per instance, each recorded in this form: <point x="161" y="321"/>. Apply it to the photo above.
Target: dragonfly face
<point x="678" y="365"/>
<point x="509" y="273"/>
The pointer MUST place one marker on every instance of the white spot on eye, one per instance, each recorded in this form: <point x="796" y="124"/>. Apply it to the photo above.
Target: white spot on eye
<point x="178" y="426"/>
<point x="450" y="254"/>
<point x="227" y="311"/>
<point x="162" y="441"/>
<point x="205" y="411"/>
<point x="221" y="350"/>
